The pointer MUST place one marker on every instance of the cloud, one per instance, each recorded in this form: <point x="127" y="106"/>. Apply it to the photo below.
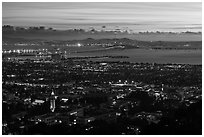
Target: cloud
<point x="22" y="13"/>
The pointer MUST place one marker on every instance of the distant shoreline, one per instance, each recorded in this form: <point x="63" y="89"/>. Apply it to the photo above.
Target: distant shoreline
<point x="42" y="33"/>
<point x="193" y="57"/>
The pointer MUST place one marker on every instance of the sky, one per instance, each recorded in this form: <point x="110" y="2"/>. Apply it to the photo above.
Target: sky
<point x="135" y="16"/>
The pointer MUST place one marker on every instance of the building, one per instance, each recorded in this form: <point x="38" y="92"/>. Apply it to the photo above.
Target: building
<point x="85" y="120"/>
<point x="77" y="112"/>
<point x="56" y="56"/>
<point x="51" y="118"/>
<point x="48" y="119"/>
<point x="38" y="102"/>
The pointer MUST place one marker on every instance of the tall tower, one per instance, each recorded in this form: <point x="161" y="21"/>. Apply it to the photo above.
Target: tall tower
<point x="52" y="102"/>
<point x="162" y="87"/>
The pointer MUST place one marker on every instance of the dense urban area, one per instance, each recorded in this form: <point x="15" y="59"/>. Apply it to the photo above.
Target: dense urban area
<point x="101" y="68"/>
<point x="56" y="94"/>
